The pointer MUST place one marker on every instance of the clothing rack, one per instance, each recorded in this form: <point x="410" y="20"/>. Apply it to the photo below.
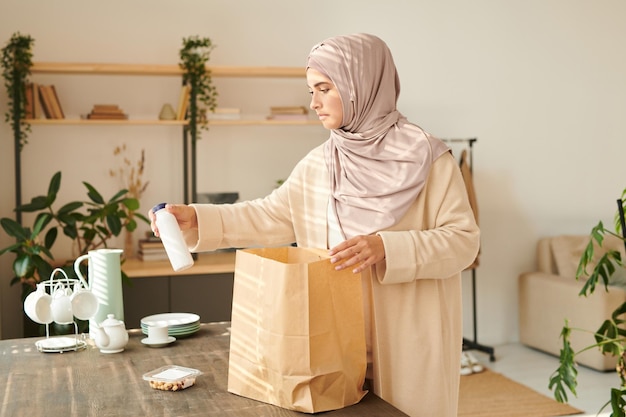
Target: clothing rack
<point x="472" y="344"/>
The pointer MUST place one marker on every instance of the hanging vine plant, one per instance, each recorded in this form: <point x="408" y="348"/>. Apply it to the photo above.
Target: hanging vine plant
<point x="194" y="56"/>
<point x="16" y="63"/>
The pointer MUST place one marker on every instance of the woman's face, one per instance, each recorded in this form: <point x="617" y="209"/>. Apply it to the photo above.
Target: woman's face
<point x="325" y="99"/>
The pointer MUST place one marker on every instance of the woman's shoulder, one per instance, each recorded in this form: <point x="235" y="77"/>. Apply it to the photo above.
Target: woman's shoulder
<point x="446" y="158"/>
<point x="314" y="157"/>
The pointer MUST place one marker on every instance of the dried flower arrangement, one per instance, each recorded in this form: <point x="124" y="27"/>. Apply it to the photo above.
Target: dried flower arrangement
<point x="131" y="176"/>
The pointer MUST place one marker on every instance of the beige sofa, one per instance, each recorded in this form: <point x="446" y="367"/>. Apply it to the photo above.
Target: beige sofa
<point x="549" y="295"/>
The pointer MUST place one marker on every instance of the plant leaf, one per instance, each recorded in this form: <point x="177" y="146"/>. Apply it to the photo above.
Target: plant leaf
<point x="22" y="265"/>
<point x="55" y="185"/>
<point x="566" y="374"/>
<point x="50" y="238"/>
<point x="14" y="229"/>
<point x="41" y="221"/>
<point x="118" y="195"/>
<point x="36" y="204"/>
<point x="131" y="204"/>
<point x="70" y="207"/>
<point x="93" y="194"/>
<point x="617" y="402"/>
<point x="114" y="224"/>
<point x="10" y="248"/>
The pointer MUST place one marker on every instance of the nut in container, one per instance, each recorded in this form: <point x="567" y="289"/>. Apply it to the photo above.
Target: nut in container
<point x="172" y="378"/>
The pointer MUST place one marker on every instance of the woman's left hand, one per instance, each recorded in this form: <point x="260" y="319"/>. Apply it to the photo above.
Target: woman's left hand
<point x="363" y="251"/>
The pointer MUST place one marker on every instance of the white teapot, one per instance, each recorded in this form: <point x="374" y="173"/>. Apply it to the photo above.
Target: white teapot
<point x="110" y="335"/>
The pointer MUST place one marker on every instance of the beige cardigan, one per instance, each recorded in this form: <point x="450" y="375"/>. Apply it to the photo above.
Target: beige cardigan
<point x="416" y="306"/>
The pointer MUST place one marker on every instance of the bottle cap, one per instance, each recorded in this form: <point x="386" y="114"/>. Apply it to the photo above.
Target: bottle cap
<point x="158" y="207"/>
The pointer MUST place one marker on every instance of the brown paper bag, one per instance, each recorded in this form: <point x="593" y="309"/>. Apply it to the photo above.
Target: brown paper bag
<point x="297" y="336"/>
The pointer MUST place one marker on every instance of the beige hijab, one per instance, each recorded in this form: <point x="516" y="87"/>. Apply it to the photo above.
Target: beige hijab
<point x="378" y="161"/>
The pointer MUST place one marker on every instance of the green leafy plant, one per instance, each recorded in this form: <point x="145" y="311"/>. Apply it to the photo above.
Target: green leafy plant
<point x="16" y="63"/>
<point x="89" y="224"/>
<point x="610" y="337"/>
<point x="194" y="56"/>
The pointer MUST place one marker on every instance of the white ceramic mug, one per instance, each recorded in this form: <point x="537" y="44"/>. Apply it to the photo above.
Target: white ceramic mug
<point x="158" y="333"/>
<point x="61" y="305"/>
<point x="84" y="303"/>
<point x="37" y="306"/>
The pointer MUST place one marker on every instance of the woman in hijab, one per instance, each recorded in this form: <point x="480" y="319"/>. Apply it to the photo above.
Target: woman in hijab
<point x="387" y="200"/>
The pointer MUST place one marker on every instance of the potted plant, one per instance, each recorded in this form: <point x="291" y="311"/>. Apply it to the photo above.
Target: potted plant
<point x="610" y="337"/>
<point x="194" y="56"/>
<point x="90" y="224"/>
<point x="16" y="63"/>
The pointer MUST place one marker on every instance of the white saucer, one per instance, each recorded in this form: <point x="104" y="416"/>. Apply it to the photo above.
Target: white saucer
<point x="60" y="344"/>
<point x="146" y="341"/>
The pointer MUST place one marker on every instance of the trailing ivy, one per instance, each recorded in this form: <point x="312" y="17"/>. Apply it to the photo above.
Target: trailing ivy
<point x="194" y="56"/>
<point x="16" y="63"/>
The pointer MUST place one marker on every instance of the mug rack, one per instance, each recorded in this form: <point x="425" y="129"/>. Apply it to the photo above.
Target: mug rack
<point x="60" y="344"/>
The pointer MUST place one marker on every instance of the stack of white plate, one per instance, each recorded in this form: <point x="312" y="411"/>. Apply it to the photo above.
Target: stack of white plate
<point x="179" y="324"/>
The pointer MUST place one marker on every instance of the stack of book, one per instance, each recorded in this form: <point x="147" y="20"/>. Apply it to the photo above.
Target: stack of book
<point x="288" y="113"/>
<point x="152" y="249"/>
<point x="106" y="112"/>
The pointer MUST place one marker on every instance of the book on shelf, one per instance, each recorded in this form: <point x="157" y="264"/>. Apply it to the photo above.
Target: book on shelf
<point x="99" y="116"/>
<point x="183" y="102"/>
<point x="38" y="112"/>
<point x="224" y="113"/>
<point x="106" y="112"/>
<point x="151" y="244"/>
<point x="56" y="103"/>
<point x="288" y="110"/>
<point x="106" y="109"/>
<point x="151" y="251"/>
<point x="161" y="256"/>
<point x="50" y="102"/>
<point x="294" y="117"/>
<point x="46" y="103"/>
<point x="33" y="103"/>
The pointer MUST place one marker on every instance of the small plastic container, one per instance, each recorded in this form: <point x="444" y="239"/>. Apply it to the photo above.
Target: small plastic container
<point x="172" y="378"/>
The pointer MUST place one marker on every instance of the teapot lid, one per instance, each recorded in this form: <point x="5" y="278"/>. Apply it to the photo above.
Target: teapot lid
<point x="111" y="321"/>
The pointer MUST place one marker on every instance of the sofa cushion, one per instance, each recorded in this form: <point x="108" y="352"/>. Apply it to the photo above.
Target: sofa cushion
<point x="568" y="249"/>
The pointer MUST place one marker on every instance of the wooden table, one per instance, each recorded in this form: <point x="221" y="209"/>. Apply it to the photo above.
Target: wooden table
<point x="90" y="383"/>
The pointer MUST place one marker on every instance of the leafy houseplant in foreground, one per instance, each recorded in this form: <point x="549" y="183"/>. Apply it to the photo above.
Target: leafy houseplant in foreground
<point x="89" y="224"/>
<point x="610" y="337"/>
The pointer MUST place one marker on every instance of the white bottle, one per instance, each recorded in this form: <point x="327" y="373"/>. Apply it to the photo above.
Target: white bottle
<point x="172" y="238"/>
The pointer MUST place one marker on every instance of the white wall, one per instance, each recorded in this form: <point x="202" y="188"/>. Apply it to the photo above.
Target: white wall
<point x="540" y="83"/>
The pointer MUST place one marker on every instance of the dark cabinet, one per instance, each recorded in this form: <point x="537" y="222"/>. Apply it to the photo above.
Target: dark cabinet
<point x="210" y="296"/>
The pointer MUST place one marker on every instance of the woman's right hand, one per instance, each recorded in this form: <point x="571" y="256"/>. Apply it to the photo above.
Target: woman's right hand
<point x="185" y="215"/>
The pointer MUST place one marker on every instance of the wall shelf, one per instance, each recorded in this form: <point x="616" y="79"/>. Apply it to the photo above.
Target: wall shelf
<point x="86" y="122"/>
<point x="237" y="122"/>
<point x="127" y="69"/>
<point x="160" y="70"/>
